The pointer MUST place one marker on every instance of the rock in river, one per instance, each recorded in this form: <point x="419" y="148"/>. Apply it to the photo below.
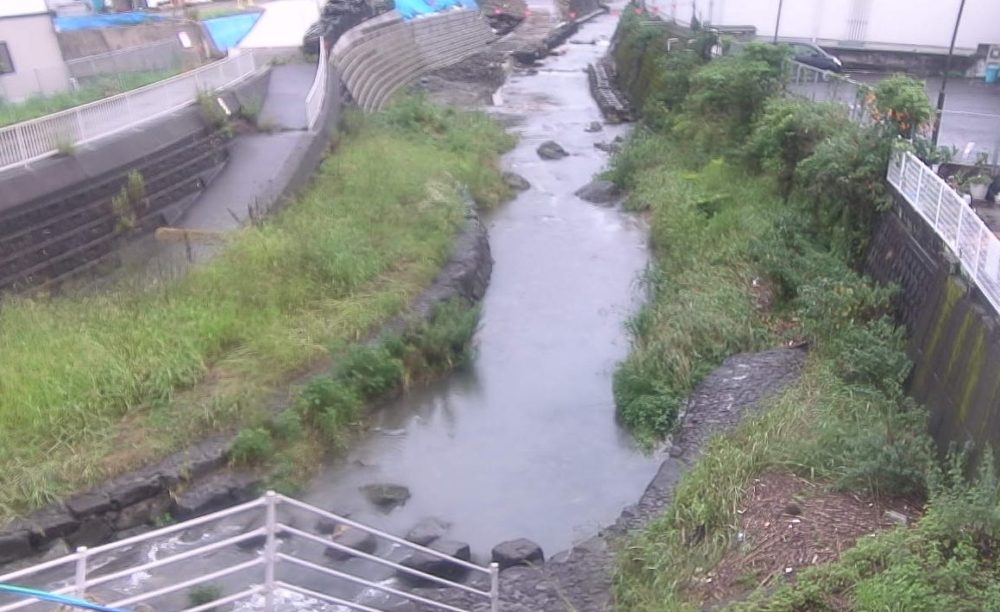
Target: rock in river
<point x="427" y="530"/>
<point x="551" y="150"/>
<point x="352" y="538"/>
<point x="594" y="127"/>
<point x="517" y="552"/>
<point x="435" y="565"/>
<point x="516" y="181"/>
<point x="599" y="191"/>
<point x="386" y="496"/>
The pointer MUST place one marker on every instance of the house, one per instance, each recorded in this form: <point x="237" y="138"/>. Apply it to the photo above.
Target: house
<point x="30" y="60"/>
<point x="915" y="27"/>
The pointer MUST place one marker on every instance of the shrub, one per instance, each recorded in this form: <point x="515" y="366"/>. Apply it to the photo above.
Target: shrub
<point x="442" y="343"/>
<point x="900" y="103"/>
<point x="252" y="446"/>
<point x="788" y="131"/>
<point x="370" y="370"/>
<point x="203" y="594"/>
<point x="324" y="395"/>
<point x="286" y="426"/>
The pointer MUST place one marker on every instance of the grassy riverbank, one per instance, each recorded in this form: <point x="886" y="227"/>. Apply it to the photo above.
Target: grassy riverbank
<point x="761" y="208"/>
<point x="93" y="385"/>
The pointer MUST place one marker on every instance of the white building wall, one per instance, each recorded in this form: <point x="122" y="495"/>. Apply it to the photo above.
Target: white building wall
<point x="909" y="24"/>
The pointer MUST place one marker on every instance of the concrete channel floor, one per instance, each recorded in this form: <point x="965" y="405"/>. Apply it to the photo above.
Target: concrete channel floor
<point x="284" y="106"/>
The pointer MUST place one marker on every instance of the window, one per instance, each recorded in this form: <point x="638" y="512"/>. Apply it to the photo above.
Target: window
<point x="6" y="64"/>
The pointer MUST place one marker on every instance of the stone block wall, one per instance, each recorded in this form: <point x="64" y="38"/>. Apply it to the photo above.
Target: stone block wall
<point x="384" y="54"/>
<point x="954" y="333"/>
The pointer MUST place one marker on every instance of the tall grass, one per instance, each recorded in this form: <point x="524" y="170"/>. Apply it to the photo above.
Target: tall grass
<point x="94" y="384"/>
<point x="96" y="89"/>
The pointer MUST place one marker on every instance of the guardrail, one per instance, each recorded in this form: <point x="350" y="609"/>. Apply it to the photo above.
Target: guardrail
<point x="317" y="93"/>
<point x="96" y="573"/>
<point x="953" y="219"/>
<point x="30" y="141"/>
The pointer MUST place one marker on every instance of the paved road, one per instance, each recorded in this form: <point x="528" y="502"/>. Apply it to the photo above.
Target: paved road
<point x="283" y="24"/>
<point x="971" y="120"/>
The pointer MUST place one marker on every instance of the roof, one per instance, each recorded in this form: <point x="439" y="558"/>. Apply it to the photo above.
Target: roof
<point x="18" y="8"/>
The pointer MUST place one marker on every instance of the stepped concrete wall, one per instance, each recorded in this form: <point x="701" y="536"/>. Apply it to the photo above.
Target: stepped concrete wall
<point x="384" y="54"/>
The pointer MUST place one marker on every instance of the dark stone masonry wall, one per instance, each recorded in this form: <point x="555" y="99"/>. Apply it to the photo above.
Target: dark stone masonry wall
<point x="954" y="333"/>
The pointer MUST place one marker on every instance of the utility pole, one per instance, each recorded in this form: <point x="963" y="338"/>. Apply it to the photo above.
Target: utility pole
<point x="947" y="73"/>
<point x="777" y="24"/>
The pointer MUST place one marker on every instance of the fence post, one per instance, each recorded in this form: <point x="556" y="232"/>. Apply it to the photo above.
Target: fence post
<point x="979" y="249"/>
<point x="958" y="231"/>
<point x="920" y="185"/>
<point x="494" y="587"/>
<point x="270" y="548"/>
<point x="80" y="582"/>
<point x="937" y="213"/>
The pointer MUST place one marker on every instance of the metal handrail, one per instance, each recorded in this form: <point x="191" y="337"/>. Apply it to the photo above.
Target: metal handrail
<point x="82" y="582"/>
<point x="953" y="220"/>
<point x="43" y="137"/>
<point x="317" y="93"/>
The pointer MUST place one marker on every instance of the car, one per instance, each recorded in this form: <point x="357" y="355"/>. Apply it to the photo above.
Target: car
<point x="811" y="55"/>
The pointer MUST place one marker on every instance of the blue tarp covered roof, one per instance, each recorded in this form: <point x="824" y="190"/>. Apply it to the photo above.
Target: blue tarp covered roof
<point x="410" y="9"/>
<point x="227" y="32"/>
<point x="110" y="20"/>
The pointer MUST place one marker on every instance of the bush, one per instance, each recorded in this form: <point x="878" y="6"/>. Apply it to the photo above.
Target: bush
<point x="900" y="103"/>
<point x="252" y="446"/>
<point x="203" y="594"/>
<point x="842" y="187"/>
<point x="325" y="395"/>
<point x="788" y="131"/>
<point x="372" y="371"/>
<point x="442" y="343"/>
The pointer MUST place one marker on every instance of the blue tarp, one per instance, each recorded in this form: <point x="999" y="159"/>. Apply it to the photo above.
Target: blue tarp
<point x="93" y="22"/>
<point x="227" y="32"/>
<point x="410" y="9"/>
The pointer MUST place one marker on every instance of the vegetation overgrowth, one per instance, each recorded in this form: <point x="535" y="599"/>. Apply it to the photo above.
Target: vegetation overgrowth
<point x="96" y="89"/>
<point x="97" y="383"/>
<point x="760" y="209"/>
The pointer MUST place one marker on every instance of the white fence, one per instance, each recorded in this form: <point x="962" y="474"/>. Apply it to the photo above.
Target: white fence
<point x="269" y="579"/>
<point x="39" y="138"/>
<point x="317" y="93"/>
<point x="954" y="220"/>
<point x="164" y="55"/>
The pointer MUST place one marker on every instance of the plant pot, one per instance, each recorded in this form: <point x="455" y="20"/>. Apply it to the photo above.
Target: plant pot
<point x="978" y="191"/>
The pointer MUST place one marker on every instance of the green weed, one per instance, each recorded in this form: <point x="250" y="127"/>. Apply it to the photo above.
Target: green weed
<point x="251" y="446"/>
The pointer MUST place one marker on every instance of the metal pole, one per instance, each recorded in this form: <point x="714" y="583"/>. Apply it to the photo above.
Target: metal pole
<point x="270" y="549"/>
<point x="947" y="72"/>
<point x="81" y="572"/>
<point x="494" y="587"/>
<point x="777" y="23"/>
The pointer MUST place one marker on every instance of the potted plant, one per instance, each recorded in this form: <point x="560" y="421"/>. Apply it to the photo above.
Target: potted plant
<point x="977" y="185"/>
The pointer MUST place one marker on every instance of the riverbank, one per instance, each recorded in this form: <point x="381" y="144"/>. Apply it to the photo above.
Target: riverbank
<point x="831" y="496"/>
<point x="142" y="372"/>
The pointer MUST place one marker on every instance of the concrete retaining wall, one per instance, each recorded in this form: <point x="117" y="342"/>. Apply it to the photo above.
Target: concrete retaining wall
<point x="954" y="334"/>
<point x="384" y="54"/>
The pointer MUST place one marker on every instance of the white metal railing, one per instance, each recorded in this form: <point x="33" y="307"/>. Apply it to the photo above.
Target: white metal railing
<point x="954" y="220"/>
<point x="317" y="93"/>
<point x="97" y="573"/>
<point x="39" y="138"/>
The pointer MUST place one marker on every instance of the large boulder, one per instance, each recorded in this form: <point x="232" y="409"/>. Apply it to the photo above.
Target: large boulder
<point x="599" y="191"/>
<point x="551" y="150"/>
<point x="517" y="552"/>
<point x="594" y="127"/>
<point x="14" y="546"/>
<point x="428" y="530"/>
<point x="352" y="538"/>
<point x="386" y="496"/>
<point x="435" y="565"/>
